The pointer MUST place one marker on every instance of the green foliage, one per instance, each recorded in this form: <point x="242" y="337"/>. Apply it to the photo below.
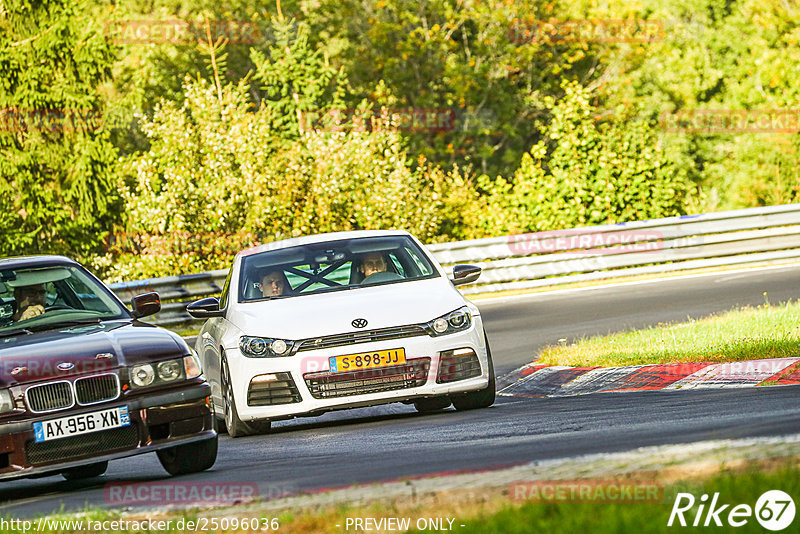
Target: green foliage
<point x="724" y="56"/>
<point x="296" y="79"/>
<point x="561" y="132"/>
<point x="56" y="168"/>
<point x="587" y="172"/>
<point x="446" y="55"/>
<point x="221" y="175"/>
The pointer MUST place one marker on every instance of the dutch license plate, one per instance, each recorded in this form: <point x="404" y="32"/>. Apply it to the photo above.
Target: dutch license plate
<point x="84" y="423"/>
<point x="367" y="360"/>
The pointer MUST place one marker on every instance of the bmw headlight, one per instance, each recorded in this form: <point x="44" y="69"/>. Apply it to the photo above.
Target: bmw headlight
<point x="160" y="373"/>
<point x="6" y="401"/>
<point x="143" y="375"/>
<point x="260" y="347"/>
<point x="453" y="322"/>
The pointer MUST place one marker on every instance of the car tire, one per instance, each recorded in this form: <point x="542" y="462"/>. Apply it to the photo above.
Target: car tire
<point x="482" y="398"/>
<point x="235" y="426"/>
<point x="432" y="404"/>
<point x="85" y="471"/>
<point x="189" y="458"/>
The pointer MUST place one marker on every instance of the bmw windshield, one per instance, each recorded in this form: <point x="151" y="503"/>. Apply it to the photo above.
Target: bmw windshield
<point x="44" y="297"/>
<point x="332" y="266"/>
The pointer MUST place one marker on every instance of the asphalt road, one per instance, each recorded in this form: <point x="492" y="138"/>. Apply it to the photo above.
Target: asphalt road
<point x="390" y="442"/>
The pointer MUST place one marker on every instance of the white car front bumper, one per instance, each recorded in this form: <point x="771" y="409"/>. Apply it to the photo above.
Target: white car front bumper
<point x="316" y="390"/>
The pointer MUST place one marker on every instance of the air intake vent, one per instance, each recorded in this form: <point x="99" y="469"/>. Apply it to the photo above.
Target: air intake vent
<point x="49" y="397"/>
<point x="368" y="336"/>
<point x="269" y="390"/>
<point x="326" y="385"/>
<point x="457" y="365"/>
<point x="96" y="389"/>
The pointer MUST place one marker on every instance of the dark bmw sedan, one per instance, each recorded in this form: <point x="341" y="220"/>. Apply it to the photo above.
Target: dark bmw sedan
<point x="83" y="381"/>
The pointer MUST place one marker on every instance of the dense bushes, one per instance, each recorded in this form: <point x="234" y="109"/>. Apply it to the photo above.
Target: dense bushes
<point x="220" y="147"/>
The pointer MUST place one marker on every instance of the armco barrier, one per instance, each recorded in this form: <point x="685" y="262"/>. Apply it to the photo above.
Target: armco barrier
<point x="550" y="258"/>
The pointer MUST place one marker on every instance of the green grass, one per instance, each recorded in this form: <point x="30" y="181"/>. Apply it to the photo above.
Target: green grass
<point x="624" y="518"/>
<point x="751" y="333"/>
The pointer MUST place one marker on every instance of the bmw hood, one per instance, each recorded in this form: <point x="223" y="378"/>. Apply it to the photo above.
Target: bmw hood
<point x="89" y="349"/>
<point x="325" y="314"/>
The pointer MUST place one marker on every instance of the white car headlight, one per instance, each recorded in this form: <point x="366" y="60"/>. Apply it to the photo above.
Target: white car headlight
<point x="455" y="321"/>
<point x="6" y="401"/>
<point x="260" y="347"/>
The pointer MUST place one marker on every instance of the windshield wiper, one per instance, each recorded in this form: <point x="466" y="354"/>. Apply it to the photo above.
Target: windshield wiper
<point x="64" y="324"/>
<point x="15" y="332"/>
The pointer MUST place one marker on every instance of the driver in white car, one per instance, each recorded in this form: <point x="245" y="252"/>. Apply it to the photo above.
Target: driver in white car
<point x="30" y="301"/>
<point x="371" y="263"/>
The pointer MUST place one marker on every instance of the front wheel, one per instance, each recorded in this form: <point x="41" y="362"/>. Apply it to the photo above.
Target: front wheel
<point x="189" y="458"/>
<point x="482" y="398"/>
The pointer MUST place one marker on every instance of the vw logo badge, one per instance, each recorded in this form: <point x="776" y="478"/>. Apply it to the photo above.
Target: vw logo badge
<point x="66" y="366"/>
<point x="359" y="323"/>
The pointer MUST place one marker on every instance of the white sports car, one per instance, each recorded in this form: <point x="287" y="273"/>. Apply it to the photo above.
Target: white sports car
<point x="343" y="320"/>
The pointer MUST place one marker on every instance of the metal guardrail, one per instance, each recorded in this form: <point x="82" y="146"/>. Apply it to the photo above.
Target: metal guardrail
<point x="526" y="261"/>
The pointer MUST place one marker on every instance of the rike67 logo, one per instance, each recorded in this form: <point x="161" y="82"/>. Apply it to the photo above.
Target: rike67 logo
<point x="774" y="510"/>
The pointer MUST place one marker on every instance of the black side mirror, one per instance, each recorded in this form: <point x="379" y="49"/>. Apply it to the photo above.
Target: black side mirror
<point x="465" y="274"/>
<point x="205" y="308"/>
<point x="145" y="304"/>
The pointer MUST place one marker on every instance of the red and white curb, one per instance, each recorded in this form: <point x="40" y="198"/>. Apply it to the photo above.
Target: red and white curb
<point x="536" y="380"/>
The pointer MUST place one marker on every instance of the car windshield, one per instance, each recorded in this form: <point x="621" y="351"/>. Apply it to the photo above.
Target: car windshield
<point x="39" y="298"/>
<point x="332" y="266"/>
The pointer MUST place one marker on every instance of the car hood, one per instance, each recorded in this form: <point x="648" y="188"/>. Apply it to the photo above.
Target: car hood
<point x="332" y="313"/>
<point x="86" y="349"/>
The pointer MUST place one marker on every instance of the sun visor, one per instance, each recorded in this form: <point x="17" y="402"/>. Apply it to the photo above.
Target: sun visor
<point x="38" y="276"/>
<point x="376" y="244"/>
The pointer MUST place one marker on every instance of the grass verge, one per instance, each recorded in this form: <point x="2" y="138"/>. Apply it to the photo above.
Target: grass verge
<point x="489" y="509"/>
<point x="747" y="334"/>
<point x="743" y="488"/>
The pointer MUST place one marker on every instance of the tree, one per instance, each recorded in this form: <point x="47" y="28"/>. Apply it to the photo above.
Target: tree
<point x="56" y="181"/>
<point x="586" y="172"/>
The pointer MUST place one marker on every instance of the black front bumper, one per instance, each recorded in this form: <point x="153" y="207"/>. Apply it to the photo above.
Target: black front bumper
<point x="157" y="421"/>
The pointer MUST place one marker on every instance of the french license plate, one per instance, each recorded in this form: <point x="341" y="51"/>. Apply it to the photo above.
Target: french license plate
<point x="85" y="423"/>
<point x="367" y="360"/>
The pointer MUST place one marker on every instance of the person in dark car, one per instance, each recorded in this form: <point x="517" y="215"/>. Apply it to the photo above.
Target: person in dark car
<point x="30" y="301"/>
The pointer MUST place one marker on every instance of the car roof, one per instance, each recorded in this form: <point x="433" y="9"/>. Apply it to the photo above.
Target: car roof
<point x="319" y="238"/>
<point x="21" y="262"/>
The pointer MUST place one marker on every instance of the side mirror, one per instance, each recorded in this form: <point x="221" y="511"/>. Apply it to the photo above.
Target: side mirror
<point x="145" y="304"/>
<point x="465" y="274"/>
<point x="205" y="308"/>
